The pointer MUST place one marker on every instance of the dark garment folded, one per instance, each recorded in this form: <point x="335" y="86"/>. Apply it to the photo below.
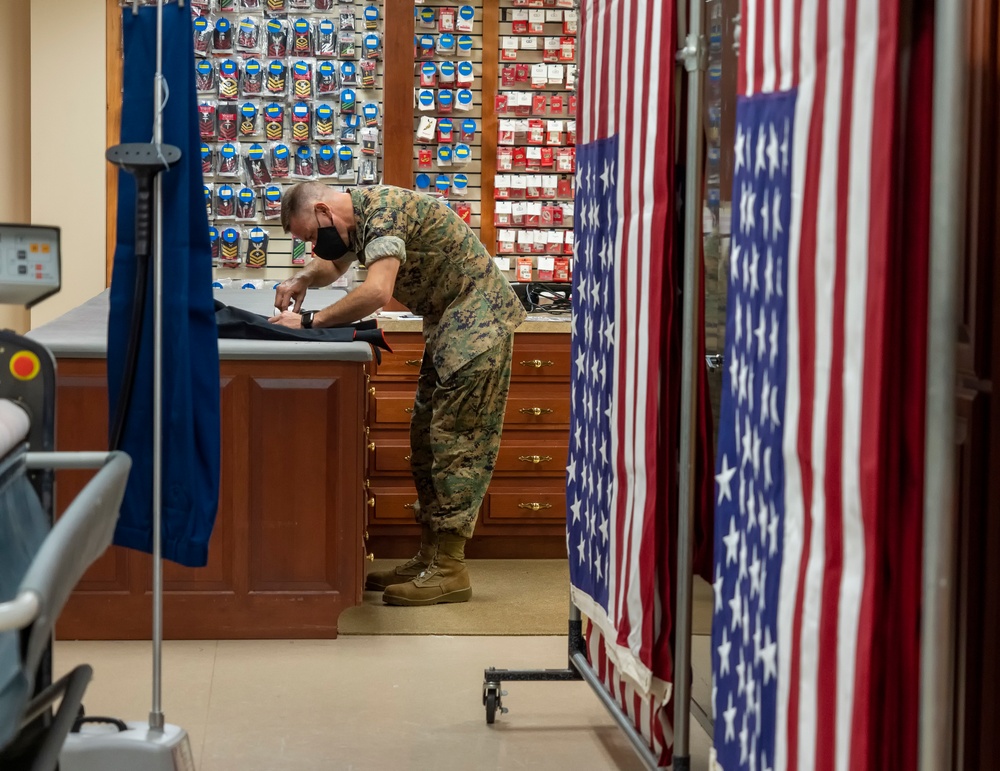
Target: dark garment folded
<point x="239" y="324"/>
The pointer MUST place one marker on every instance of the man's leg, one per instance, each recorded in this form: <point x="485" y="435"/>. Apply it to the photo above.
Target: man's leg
<point x="422" y="467"/>
<point x="465" y="431"/>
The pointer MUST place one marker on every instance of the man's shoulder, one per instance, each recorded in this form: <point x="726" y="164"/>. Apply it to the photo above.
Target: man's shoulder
<point x="395" y="198"/>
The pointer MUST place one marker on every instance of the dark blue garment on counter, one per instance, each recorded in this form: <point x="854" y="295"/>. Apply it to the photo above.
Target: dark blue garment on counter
<point x="191" y="414"/>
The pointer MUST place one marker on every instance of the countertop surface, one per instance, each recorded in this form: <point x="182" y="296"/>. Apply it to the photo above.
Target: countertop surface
<point x="82" y="332"/>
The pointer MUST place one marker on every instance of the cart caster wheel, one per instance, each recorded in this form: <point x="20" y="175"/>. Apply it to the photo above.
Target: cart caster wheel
<point x="492" y="702"/>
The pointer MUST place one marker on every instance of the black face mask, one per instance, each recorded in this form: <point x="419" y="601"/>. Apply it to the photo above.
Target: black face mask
<point x="329" y="245"/>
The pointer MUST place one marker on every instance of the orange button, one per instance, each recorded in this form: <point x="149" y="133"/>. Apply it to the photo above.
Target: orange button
<point x="24" y="365"/>
<point x="34" y="248"/>
<point x="45" y="248"/>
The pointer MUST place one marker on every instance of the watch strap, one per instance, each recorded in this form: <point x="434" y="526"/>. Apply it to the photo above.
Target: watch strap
<point x="307" y="319"/>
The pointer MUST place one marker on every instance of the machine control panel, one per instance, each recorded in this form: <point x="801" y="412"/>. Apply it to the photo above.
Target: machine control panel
<point x="30" y="266"/>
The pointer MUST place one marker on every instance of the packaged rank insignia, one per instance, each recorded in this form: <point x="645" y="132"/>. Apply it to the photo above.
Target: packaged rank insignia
<point x="277" y="78"/>
<point x="463" y="153"/>
<point x="222" y="37"/>
<point x="368" y="68"/>
<point x="229" y="80"/>
<point x="304" y="163"/>
<point x="445" y="45"/>
<point x="460" y="184"/>
<point x="203" y="32"/>
<point x="252" y="82"/>
<point x="345" y="162"/>
<point x="423" y="183"/>
<point x="466" y="74"/>
<point x="445" y="130"/>
<point x="349" y="125"/>
<point x="251" y="5"/>
<point x="256" y="165"/>
<point x="322" y="5"/>
<point x="276" y="7"/>
<point x="371" y="17"/>
<point x="229" y="161"/>
<point x="326" y="38"/>
<point x="207" y="160"/>
<point x="463" y="100"/>
<point x="257" y="241"/>
<point x="274" y="121"/>
<point x="446" y="20"/>
<point x="444" y="155"/>
<point x="367" y="172"/>
<point x="465" y="18"/>
<point x="249" y="120"/>
<point x="425" y="100"/>
<point x="346" y="47"/>
<point x="207" y="121"/>
<point x="280" y="160"/>
<point x="298" y="252"/>
<point x="301" y="121"/>
<point x="302" y="38"/>
<point x="369" y="141"/>
<point x="248" y="35"/>
<point x="277" y="37"/>
<point x="302" y="80"/>
<point x="204" y="76"/>
<point x="225" y="202"/>
<point x="299" y="5"/>
<point x="246" y="204"/>
<point x="326" y="79"/>
<point x="348" y="100"/>
<point x="347" y="21"/>
<point x="425" y="129"/>
<point x="348" y="74"/>
<point x="468" y="130"/>
<point x="428" y="75"/>
<point x="228" y="121"/>
<point x="229" y="249"/>
<point x="326" y="161"/>
<point x="272" y="202"/>
<point x="213" y="242"/>
<point x="447" y="72"/>
<point x="424" y="157"/>
<point x="323" y="129"/>
<point x="226" y="6"/>
<point x="445" y="100"/>
<point x="426" y="18"/>
<point x="372" y="44"/>
<point x="442" y="183"/>
<point x="370" y="112"/>
<point x="465" y="45"/>
<point x="425" y="47"/>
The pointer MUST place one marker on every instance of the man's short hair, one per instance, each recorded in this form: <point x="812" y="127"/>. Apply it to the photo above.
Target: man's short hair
<point x="298" y="198"/>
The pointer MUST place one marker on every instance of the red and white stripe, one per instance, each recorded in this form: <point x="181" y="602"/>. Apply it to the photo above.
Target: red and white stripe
<point x="841" y="170"/>
<point x="626" y="76"/>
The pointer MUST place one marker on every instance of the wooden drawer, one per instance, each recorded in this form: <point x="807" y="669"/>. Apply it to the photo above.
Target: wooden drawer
<point x="533" y="362"/>
<point x="386" y="456"/>
<point x="537" y="406"/>
<point x="511" y="505"/>
<point x="404" y="361"/>
<point x="390" y="408"/>
<point x="533" y="458"/>
<point x="391" y="504"/>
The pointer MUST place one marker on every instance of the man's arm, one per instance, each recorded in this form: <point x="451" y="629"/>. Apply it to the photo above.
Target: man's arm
<point x="372" y="294"/>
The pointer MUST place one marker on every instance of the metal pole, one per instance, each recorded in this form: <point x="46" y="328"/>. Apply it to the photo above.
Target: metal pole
<point x="937" y="650"/>
<point x="692" y="56"/>
<point x="156" y="719"/>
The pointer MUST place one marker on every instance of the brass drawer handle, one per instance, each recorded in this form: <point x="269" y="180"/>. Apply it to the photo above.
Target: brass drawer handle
<point x="413" y="362"/>
<point x="370" y="556"/>
<point x="407" y="457"/>
<point x="537" y="363"/>
<point x="372" y="390"/>
<point x="534" y="506"/>
<point x="408" y="410"/>
<point x="371" y="446"/>
<point x="371" y="501"/>
<point x="535" y="411"/>
<point x="409" y="505"/>
<point x="534" y="458"/>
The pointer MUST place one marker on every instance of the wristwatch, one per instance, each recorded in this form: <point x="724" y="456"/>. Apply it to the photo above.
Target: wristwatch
<point x="307" y="319"/>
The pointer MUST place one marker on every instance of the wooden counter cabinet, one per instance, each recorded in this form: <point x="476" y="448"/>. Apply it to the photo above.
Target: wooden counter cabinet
<point x="524" y="512"/>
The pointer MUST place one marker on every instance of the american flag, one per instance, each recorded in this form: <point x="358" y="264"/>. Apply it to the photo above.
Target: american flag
<point x="617" y="529"/>
<point x="798" y="469"/>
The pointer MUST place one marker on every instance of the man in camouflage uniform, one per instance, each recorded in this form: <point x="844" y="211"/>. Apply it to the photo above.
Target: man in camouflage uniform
<point x="419" y="251"/>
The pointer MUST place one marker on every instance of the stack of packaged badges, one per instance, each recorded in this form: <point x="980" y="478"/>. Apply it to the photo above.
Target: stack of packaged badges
<point x="288" y="90"/>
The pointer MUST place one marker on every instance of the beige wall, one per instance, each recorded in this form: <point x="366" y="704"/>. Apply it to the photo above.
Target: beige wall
<point x="67" y="45"/>
<point x="15" y="131"/>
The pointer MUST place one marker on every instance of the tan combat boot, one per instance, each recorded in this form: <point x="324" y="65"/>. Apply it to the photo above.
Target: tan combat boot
<point x="377" y="581"/>
<point x="445" y="580"/>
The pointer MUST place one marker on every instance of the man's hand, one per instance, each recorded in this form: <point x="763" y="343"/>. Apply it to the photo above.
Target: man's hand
<point x="288" y="319"/>
<point x="291" y="291"/>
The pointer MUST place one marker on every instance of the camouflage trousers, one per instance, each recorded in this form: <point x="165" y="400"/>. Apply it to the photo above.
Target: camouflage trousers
<point x="455" y="437"/>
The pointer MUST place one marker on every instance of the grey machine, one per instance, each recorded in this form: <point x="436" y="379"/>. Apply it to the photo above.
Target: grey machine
<point x="42" y="559"/>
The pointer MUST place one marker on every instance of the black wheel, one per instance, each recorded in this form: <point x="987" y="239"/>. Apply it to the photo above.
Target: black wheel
<point x="491" y="706"/>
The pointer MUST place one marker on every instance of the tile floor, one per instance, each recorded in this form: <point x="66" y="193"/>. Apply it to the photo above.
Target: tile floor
<point x="361" y="703"/>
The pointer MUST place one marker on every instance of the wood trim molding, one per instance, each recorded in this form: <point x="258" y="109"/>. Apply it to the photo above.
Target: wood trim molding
<point x="490" y="123"/>
<point x="397" y="94"/>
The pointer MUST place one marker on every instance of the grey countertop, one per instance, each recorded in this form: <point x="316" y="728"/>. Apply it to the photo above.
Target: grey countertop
<point x="82" y="332"/>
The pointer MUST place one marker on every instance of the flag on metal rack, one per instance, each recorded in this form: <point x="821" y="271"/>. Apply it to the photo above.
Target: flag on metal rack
<point x="621" y="480"/>
<point x="804" y="481"/>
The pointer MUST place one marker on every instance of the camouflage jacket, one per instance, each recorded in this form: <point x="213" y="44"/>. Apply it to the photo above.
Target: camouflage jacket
<point x="446" y="275"/>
